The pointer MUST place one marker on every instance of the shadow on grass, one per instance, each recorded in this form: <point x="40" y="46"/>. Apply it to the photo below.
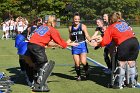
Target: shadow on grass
<point x="16" y="76"/>
<point x="64" y="76"/>
<point x="98" y="76"/>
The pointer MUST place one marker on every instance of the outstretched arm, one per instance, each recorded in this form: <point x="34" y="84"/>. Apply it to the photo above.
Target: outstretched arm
<point x="57" y="39"/>
<point x="84" y="28"/>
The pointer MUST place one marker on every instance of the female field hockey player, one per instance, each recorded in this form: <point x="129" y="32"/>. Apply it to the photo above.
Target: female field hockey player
<point x="127" y="48"/>
<point x="36" y="46"/>
<point x="78" y="33"/>
<point x="101" y="27"/>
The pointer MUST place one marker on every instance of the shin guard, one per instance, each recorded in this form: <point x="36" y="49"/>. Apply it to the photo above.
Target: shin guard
<point x="77" y="69"/>
<point x="43" y="73"/>
<point x="132" y="76"/>
<point x="86" y="69"/>
<point x="119" y="75"/>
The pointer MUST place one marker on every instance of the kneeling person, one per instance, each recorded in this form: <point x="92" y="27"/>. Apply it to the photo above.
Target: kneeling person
<point x="36" y="46"/>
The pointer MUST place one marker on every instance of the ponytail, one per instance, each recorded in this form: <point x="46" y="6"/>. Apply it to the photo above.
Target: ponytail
<point x="51" y="20"/>
<point x="115" y="17"/>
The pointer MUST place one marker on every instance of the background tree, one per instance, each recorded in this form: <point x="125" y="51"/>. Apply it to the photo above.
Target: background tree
<point x="64" y="9"/>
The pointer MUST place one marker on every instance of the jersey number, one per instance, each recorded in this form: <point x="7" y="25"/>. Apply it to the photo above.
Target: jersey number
<point x="42" y="30"/>
<point x="122" y="27"/>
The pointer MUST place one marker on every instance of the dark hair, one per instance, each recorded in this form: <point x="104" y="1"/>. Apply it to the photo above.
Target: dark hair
<point x="76" y="14"/>
<point x="99" y="18"/>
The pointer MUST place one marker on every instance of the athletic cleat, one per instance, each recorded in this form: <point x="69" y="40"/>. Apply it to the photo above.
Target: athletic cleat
<point x="117" y="87"/>
<point x="132" y="85"/>
<point x="28" y="82"/>
<point x="86" y="75"/>
<point x="78" y="78"/>
<point x="37" y="88"/>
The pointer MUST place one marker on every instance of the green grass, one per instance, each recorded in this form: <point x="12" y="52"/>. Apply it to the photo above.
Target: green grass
<point x="62" y="79"/>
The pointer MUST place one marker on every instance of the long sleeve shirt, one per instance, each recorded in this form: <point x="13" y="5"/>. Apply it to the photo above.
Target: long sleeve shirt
<point x="118" y="32"/>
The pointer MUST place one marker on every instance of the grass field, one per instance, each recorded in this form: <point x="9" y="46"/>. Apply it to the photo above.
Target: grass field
<point x="62" y="79"/>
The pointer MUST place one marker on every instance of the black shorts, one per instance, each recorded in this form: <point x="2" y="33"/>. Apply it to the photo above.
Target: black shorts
<point x="37" y="53"/>
<point x="128" y="50"/>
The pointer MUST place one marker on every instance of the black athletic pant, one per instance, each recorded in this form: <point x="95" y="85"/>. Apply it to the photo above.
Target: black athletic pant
<point x="38" y="56"/>
<point x="22" y="63"/>
<point x="106" y="57"/>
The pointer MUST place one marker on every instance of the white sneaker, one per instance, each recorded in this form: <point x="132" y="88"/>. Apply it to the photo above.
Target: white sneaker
<point x="138" y="85"/>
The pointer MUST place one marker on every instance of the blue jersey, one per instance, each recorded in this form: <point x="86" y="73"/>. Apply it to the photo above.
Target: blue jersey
<point x="33" y="29"/>
<point x="21" y="45"/>
<point x="77" y="34"/>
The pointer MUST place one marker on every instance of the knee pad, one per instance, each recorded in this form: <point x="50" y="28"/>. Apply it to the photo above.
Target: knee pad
<point x="119" y="75"/>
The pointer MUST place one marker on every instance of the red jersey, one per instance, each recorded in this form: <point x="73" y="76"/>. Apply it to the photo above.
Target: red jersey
<point x="44" y="34"/>
<point x="118" y="32"/>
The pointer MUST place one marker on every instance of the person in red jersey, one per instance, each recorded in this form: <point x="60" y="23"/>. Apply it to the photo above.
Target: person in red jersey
<point x="127" y="48"/>
<point x="36" y="47"/>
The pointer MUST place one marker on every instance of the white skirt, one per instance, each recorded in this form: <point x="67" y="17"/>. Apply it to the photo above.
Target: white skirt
<point x="20" y="29"/>
<point x="4" y="29"/>
<point x="7" y="28"/>
<point x="11" y="27"/>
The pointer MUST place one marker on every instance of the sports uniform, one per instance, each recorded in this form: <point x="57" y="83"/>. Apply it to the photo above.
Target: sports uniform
<point x="127" y="52"/>
<point x="24" y="58"/>
<point x="121" y="34"/>
<point x="31" y="31"/>
<point x="100" y="29"/>
<point x="20" y="26"/>
<point x="42" y="36"/>
<point x="36" y="46"/>
<point x="4" y="27"/>
<point x="108" y="47"/>
<point x="33" y="28"/>
<point x="4" y="30"/>
<point x="77" y="35"/>
<point x="21" y="45"/>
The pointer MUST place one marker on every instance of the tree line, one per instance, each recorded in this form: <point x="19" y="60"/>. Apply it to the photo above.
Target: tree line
<point x="64" y="9"/>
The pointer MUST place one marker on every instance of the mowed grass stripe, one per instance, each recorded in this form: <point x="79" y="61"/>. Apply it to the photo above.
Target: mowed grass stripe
<point x="62" y="79"/>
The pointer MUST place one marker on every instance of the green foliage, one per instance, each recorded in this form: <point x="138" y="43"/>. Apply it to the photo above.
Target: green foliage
<point x="88" y="9"/>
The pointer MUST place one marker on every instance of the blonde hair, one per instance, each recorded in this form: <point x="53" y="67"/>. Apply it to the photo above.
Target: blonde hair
<point x="119" y="14"/>
<point x="115" y="17"/>
<point x="51" y="20"/>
